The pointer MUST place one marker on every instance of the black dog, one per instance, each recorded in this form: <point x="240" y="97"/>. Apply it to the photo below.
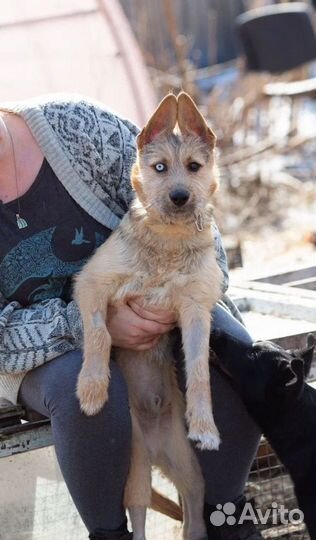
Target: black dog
<point x="271" y="382"/>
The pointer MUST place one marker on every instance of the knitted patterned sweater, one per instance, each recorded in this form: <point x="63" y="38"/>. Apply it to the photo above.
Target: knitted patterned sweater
<point x="91" y="151"/>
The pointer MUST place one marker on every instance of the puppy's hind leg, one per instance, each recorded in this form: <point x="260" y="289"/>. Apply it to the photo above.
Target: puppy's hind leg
<point x="137" y="496"/>
<point x="137" y="515"/>
<point x="179" y="463"/>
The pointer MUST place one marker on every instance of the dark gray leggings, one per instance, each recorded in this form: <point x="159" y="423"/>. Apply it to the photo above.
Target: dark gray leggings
<point x="93" y="452"/>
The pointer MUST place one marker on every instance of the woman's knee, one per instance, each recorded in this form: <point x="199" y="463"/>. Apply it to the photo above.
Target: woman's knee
<point x="223" y="321"/>
<point x="52" y="387"/>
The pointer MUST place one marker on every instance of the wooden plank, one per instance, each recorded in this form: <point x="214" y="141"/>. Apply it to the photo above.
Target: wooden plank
<point x="280" y="313"/>
<point x="24" y="438"/>
<point x="294" y="88"/>
<point x="307" y="283"/>
<point x="289" y="276"/>
<point x="273" y="290"/>
<point x="9" y="414"/>
<point x="7" y="407"/>
<point x="278" y="305"/>
<point x="273" y="326"/>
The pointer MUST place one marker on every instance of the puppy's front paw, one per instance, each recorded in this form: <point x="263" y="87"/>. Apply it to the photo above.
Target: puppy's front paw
<point x="92" y="391"/>
<point x="204" y="432"/>
<point x="205" y="441"/>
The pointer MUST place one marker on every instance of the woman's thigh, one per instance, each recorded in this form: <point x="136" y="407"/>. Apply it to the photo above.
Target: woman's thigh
<point x="51" y="387"/>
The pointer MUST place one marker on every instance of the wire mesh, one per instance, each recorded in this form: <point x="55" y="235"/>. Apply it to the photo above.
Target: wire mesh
<point x="270" y="488"/>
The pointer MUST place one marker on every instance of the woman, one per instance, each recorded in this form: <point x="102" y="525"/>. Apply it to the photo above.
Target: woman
<point x="64" y="185"/>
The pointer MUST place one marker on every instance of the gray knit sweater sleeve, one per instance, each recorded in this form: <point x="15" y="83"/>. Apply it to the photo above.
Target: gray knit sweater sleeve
<point x="31" y="336"/>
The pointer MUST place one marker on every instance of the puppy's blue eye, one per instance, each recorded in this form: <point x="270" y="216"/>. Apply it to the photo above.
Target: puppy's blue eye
<point x="193" y="166"/>
<point x="160" y="167"/>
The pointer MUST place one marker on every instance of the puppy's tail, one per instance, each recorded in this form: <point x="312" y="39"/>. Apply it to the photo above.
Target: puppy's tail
<point x="165" y="506"/>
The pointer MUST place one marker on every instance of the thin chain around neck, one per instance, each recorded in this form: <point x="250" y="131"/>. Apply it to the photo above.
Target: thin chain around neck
<point x="21" y="223"/>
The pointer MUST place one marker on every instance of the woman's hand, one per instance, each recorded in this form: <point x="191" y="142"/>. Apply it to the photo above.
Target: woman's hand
<point x="133" y="327"/>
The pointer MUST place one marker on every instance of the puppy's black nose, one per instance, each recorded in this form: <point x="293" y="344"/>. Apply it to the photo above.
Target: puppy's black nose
<point x="179" y="196"/>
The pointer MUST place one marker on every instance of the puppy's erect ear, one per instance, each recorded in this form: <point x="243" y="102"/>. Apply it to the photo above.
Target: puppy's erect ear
<point x="162" y="121"/>
<point x="307" y="353"/>
<point x="191" y="121"/>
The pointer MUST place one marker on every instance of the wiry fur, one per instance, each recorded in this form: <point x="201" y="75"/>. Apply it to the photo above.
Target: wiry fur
<point x="160" y="255"/>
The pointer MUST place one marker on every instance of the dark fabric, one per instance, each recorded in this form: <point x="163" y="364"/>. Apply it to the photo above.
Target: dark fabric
<point x="37" y="263"/>
<point x="277" y="38"/>
<point x="121" y="533"/>
<point x="271" y="384"/>
<point x="110" y="535"/>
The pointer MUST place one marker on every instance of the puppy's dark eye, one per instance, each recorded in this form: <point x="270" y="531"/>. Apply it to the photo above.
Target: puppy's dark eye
<point x="160" y="167"/>
<point x="193" y="166"/>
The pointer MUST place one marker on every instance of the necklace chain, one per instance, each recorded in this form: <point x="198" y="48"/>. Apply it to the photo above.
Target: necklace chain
<point x="21" y="223"/>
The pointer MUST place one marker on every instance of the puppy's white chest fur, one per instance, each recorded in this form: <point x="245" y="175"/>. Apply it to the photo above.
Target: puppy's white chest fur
<point x="155" y="289"/>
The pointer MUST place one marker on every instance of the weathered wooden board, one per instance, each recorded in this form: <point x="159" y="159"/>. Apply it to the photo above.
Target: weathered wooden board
<point x="289" y="277"/>
<point x="281" y="308"/>
<point x="25" y="437"/>
<point x="292" y="89"/>
<point x="289" y="302"/>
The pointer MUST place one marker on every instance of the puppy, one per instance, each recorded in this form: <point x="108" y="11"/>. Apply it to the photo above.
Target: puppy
<point x="162" y="253"/>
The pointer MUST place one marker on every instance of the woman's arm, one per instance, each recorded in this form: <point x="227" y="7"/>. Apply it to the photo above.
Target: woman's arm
<point x="31" y="336"/>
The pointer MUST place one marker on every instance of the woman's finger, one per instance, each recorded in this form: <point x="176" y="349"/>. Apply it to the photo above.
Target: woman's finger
<point x="144" y="328"/>
<point x="153" y="313"/>
<point x="146" y="346"/>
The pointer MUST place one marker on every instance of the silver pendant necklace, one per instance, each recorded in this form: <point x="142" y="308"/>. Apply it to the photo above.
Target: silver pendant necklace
<point x="21" y="222"/>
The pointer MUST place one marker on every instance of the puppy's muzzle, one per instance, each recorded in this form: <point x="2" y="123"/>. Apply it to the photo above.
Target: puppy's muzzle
<point x="179" y="197"/>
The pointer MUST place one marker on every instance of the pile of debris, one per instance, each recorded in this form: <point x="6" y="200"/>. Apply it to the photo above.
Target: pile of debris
<point x="266" y="149"/>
